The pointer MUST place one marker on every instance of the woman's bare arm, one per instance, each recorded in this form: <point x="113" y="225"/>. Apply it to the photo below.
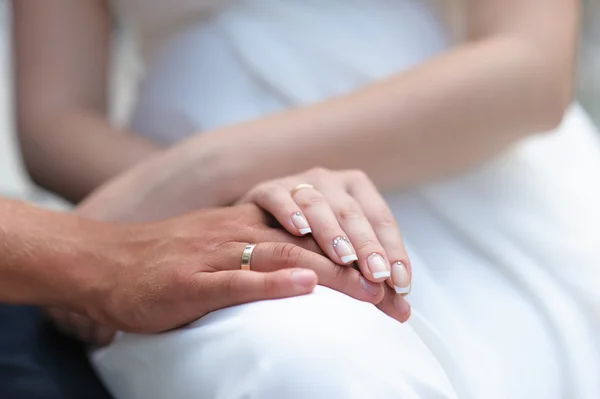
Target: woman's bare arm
<point x="61" y="65"/>
<point x="514" y="76"/>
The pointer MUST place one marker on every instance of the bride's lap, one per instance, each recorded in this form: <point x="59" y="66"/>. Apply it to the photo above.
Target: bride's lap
<point x="322" y="345"/>
<point x="519" y="236"/>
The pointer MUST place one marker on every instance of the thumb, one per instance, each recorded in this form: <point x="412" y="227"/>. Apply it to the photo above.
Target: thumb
<point x="234" y="287"/>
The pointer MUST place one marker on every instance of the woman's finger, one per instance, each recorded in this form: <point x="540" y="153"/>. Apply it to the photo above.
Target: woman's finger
<point x="384" y="224"/>
<point x="277" y="200"/>
<point x="325" y="228"/>
<point x="372" y="259"/>
<point x="268" y="257"/>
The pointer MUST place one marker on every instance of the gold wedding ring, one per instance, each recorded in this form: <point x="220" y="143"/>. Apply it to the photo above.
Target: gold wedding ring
<point x="300" y="187"/>
<point x="246" y="256"/>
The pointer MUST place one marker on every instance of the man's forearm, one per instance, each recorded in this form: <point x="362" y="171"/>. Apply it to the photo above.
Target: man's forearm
<point x="46" y="258"/>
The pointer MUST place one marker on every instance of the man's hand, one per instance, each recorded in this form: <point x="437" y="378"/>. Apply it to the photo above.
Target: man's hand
<point x="157" y="276"/>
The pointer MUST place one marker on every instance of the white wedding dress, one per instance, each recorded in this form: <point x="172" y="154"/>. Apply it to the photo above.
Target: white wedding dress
<point x="506" y="258"/>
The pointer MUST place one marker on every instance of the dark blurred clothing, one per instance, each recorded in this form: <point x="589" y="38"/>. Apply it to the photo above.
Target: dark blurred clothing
<point x="37" y="362"/>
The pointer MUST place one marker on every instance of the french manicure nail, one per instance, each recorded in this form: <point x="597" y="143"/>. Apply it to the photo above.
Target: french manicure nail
<point x="370" y="287"/>
<point x="378" y="266"/>
<point x="401" y="278"/>
<point x="344" y="249"/>
<point x="301" y="223"/>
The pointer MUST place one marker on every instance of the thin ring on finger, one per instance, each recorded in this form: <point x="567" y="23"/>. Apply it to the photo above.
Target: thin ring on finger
<point x="300" y="187"/>
<point x="276" y="199"/>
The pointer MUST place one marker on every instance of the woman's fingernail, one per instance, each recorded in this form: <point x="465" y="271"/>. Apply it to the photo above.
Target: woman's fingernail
<point x="371" y="288"/>
<point x="301" y="223"/>
<point x="401" y="278"/>
<point x="344" y="249"/>
<point x="378" y="266"/>
<point x="303" y="278"/>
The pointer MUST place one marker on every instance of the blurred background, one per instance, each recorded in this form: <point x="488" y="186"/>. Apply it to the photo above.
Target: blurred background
<point x="14" y="182"/>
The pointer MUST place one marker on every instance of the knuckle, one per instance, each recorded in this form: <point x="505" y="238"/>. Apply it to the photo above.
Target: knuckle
<point x="330" y="229"/>
<point x="311" y="201"/>
<point x="345" y="280"/>
<point x="385" y="219"/>
<point x="246" y="215"/>
<point x="349" y="211"/>
<point x="230" y="285"/>
<point x="359" y="175"/>
<point x="183" y="278"/>
<point x="368" y="245"/>
<point x="319" y="172"/>
<point x="262" y="192"/>
<point x="287" y="255"/>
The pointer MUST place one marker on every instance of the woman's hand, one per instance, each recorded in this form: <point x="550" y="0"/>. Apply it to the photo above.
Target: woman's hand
<point x="346" y="215"/>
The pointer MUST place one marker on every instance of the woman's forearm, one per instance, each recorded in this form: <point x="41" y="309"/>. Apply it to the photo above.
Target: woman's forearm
<point x="508" y="80"/>
<point x="438" y="118"/>
<point x="62" y="52"/>
<point x="73" y="153"/>
<point x="514" y="76"/>
<point x="445" y="115"/>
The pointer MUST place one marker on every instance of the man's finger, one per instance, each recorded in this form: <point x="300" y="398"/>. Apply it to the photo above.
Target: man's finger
<point x="102" y="335"/>
<point x="273" y="256"/>
<point x="235" y="287"/>
<point x="80" y="327"/>
<point x="280" y="235"/>
<point x="395" y="305"/>
<point x="254" y="215"/>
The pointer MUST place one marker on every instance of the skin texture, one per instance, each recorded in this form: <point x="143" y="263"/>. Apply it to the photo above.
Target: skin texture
<point x="340" y="204"/>
<point x="513" y="76"/>
<point x="152" y="277"/>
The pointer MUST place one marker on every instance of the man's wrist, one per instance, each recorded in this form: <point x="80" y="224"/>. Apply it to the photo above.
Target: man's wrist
<point x="51" y="258"/>
<point x="95" y="260"/>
